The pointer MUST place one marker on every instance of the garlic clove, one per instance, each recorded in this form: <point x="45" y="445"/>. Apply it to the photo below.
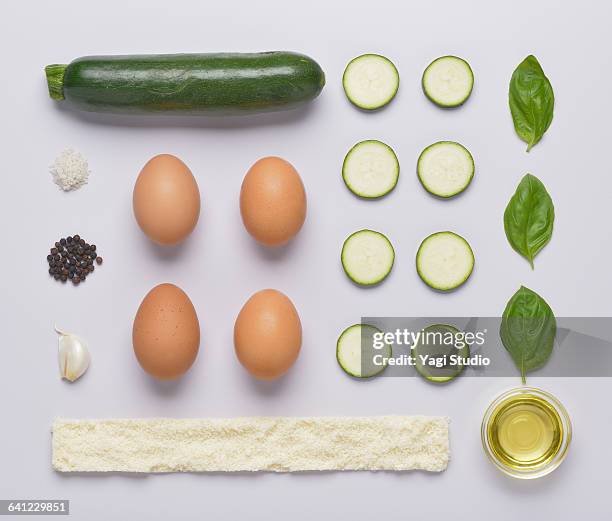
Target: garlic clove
<point x="73" y="356"/>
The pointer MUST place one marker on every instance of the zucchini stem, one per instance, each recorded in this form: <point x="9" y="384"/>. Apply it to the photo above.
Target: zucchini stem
<point x="55" y="80"/>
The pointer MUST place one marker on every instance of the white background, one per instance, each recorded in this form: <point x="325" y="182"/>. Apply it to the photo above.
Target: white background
<point x="220" y="266"/>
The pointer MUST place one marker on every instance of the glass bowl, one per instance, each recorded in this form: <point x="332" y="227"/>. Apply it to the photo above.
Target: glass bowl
<point x="525" y="470"/>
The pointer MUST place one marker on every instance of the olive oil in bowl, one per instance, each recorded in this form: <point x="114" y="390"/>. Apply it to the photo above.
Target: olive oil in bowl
<point x="526" y="432"/>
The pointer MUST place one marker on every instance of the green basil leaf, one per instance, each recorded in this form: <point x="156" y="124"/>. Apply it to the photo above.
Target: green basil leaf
<point x="528" y="330"/>
<point x="529" y="218"/>
<point x="532" y="101"/>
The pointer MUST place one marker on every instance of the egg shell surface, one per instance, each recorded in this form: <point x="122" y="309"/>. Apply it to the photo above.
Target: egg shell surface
<point x="166" y="332"/>
<point x="273" y="201"/>
<point x="166" y="200"/>
<point x="268" y="334"/>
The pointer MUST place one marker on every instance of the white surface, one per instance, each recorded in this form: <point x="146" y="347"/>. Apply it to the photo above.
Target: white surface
<point x="220" y="266"/>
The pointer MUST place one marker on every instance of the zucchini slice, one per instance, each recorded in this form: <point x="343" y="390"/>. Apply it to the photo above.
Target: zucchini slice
<point x="367" y="257"/>
<point x="444" y="261"/>
<point x="439" y="342"/>
<point x="370" y="81"/>
<point x="370" y="169"/>
<point x="445" y="168"/>
<point x="448" y="81"/>
<point x="355" y="351"/>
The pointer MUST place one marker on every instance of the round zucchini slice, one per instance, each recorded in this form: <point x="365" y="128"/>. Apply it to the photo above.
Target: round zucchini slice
<point x="439" y="342"/>
<point x="370" y="169"/>
<point x="444" y="261"/>
<point x="445" y="168"/>
<point x="448" y="81"/>
<point x="370" y="81"/>
<point x="367" y="257"/>
<point x="355" y="351"/>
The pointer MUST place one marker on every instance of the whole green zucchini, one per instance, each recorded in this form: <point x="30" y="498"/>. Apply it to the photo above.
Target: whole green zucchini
<point x="223" y="83"/>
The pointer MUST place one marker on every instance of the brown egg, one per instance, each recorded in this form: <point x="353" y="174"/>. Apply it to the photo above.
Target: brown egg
<point x="166" y="332"/>
<point x="166" y="200"/>
<point x="272" y="201"/>
<point x="268" y="334"/>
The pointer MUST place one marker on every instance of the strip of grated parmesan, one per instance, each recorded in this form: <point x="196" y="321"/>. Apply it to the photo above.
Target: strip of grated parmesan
<point x="283" y="444"/>
<point x="70" y="170"/>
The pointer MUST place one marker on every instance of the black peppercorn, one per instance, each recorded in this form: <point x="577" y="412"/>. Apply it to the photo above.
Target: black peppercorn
<point x="72" y="258"/>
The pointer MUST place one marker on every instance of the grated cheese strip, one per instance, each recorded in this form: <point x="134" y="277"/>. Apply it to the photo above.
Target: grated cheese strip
<point x="282" y="444"/>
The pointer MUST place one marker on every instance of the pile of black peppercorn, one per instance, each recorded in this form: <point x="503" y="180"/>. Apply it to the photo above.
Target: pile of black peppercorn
<point x="72" y="259"/>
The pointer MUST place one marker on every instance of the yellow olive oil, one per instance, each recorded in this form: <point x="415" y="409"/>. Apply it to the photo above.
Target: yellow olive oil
<point x="525" y="432"/>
